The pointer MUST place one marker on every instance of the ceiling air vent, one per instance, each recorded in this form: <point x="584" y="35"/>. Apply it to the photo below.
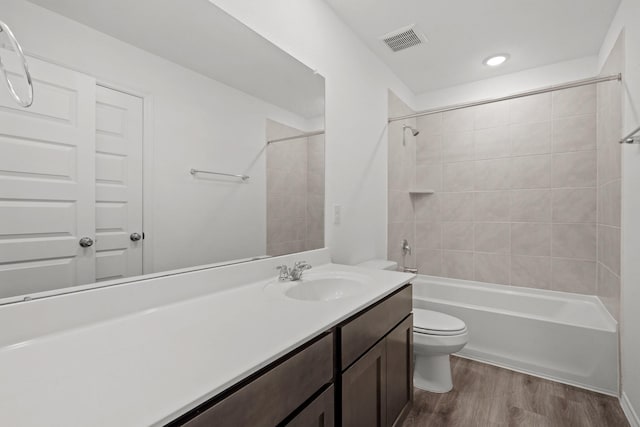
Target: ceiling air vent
<point x="403" y="38"/>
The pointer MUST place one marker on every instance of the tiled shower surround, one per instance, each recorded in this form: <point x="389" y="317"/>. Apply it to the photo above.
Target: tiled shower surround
<point x="295" y="191"/>
<point x="515" y="191"/>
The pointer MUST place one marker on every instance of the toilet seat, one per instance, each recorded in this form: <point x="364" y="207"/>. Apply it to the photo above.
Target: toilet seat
<point x="430" y="322"/>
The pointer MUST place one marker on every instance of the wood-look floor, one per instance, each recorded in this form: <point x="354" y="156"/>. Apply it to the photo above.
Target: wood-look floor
<point x="484" y="395"/>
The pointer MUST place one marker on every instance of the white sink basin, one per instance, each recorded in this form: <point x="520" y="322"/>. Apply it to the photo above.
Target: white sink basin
<point x="320" y="286"/>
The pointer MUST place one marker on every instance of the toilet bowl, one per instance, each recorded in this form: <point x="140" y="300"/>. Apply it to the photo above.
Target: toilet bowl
<point x="435" y="337"/>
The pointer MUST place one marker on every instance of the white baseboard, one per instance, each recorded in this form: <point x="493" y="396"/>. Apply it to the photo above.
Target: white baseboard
<point x="631" y="414"/>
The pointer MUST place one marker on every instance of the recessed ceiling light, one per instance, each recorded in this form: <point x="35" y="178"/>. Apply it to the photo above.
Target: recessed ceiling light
<point x="495" y="60"/>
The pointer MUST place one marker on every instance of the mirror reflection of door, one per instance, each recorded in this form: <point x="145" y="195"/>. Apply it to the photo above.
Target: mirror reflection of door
<point x="118" y="163"/>
<point x="47" y="195"/>
<point x="63" y="221"/>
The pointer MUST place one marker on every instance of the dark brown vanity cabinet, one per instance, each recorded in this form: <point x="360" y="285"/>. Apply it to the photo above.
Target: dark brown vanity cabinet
<point x="357" y="374"/>
<point x="319" y="413"/>
<point x="377" y="388"/>
<point x="271" y="396"/>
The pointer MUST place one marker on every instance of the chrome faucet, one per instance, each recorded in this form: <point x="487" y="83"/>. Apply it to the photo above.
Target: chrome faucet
<point x="406" y="249"/>
<point x="294" y="273"/>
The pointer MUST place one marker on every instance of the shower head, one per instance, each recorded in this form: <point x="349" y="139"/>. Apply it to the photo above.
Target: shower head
<point x="414" y="132"/>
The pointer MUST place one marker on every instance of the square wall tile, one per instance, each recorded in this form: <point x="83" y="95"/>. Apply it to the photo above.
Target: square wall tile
<point x="492" y="237"/>
<point x="457" y="206"/>
<point x="458" y="176"/>
<point x="428" y="235"/>
<point x="608" y="289"/>
<point x="530" y="138"/>
<point x="399" y="177"/>
<point x="530" y="109"/>
<point x="428" y="148"/>
<point x="574" y="101"/>
<point x="570" y="275"/>
<point x="400" y="206"/>
<point x="492" y="174"/>
<point x="429" y="261"/>
<point x="491" y="143"/>
<point x="491" y="115"/>
<point x="459" y="120"/>
<point x="531" y="271"/>
<point x="531" y="205"/>
<point x="574" y="133"/>
<point x="610" y="203"/>
<point x="457" y="146"/>
<point x="457" y="236"/>
<point x="429" y="176"/>
<point x="574" y="241"/>
<point x="609" y="161"/>
<point x="575" y="205"/>
<point x="431" y="124"/>
<point x="609" y="247"/>
<point x="531" y="172"/>
<point x="491" y="206"/>
<point x="492" y="268"/>
<point x="532" y="239"/>
<point x="427" y="207"/>
<point x="577" y="169"/>
<point x="457" y="265"/>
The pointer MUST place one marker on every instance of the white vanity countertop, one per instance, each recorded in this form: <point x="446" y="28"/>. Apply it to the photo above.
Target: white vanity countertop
<point x="149" y="367"/>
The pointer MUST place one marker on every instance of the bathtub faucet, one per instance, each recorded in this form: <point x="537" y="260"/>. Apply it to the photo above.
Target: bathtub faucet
<point x="406" y="249"/>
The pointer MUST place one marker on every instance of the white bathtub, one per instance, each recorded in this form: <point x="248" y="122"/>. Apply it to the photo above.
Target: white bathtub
<point x="565" y="337"/>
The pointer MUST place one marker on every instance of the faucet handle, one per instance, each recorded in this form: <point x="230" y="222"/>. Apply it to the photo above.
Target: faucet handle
<point x="284" y="272"/>
<point x="302" y="265"/>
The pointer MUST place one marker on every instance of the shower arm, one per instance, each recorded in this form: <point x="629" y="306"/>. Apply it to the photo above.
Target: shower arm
<point x="4" y="28"/>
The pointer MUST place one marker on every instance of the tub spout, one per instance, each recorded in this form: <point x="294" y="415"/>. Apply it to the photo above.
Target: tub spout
<point x="410" y="270"/>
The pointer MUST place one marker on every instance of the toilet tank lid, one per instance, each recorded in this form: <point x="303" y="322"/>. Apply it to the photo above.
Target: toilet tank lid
<point x="379" y="264"/>
<point x="435" y="321"/>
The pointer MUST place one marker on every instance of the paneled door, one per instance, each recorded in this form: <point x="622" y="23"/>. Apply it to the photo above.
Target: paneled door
<point x="118" y="162"/>
<point x="47" y="191"/>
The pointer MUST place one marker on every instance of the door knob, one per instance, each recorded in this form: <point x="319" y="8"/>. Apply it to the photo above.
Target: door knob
<point x="135" y="237"/>
<point x="86" y="242"/>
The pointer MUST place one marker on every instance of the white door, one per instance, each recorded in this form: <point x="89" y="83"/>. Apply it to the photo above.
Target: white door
<point x="118" y="184"/>
<point x="46" y="181"/>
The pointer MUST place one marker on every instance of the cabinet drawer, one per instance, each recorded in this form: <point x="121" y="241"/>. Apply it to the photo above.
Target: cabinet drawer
<point x="270" y="398"/>
<point x="361" y="333"/>
<point x="319" y="413"/>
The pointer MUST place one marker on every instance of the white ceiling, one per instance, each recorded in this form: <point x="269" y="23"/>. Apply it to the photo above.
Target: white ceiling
<point x="203" y="38"/>
<point x="462" y="33"/>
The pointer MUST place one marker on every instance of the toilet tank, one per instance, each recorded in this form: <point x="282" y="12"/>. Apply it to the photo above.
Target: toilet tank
<point x="379" y="264"/>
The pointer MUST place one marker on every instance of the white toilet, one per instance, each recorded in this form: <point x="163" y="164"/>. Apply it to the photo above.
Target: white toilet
<point x="435" y="336"/>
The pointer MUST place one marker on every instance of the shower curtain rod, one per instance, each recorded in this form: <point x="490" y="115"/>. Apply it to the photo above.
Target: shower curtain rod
<point x="302" y="135"/>
<point x="569" y="85"/>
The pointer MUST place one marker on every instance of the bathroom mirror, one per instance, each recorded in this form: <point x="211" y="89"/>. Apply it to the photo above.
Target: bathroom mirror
<point x="163" y="136"/>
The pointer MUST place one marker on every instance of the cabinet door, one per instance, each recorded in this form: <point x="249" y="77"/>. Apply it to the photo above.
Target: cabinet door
<point x="318" y="413"/>
<point x="364" y="389"/>
<point x="399" y="369"/>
